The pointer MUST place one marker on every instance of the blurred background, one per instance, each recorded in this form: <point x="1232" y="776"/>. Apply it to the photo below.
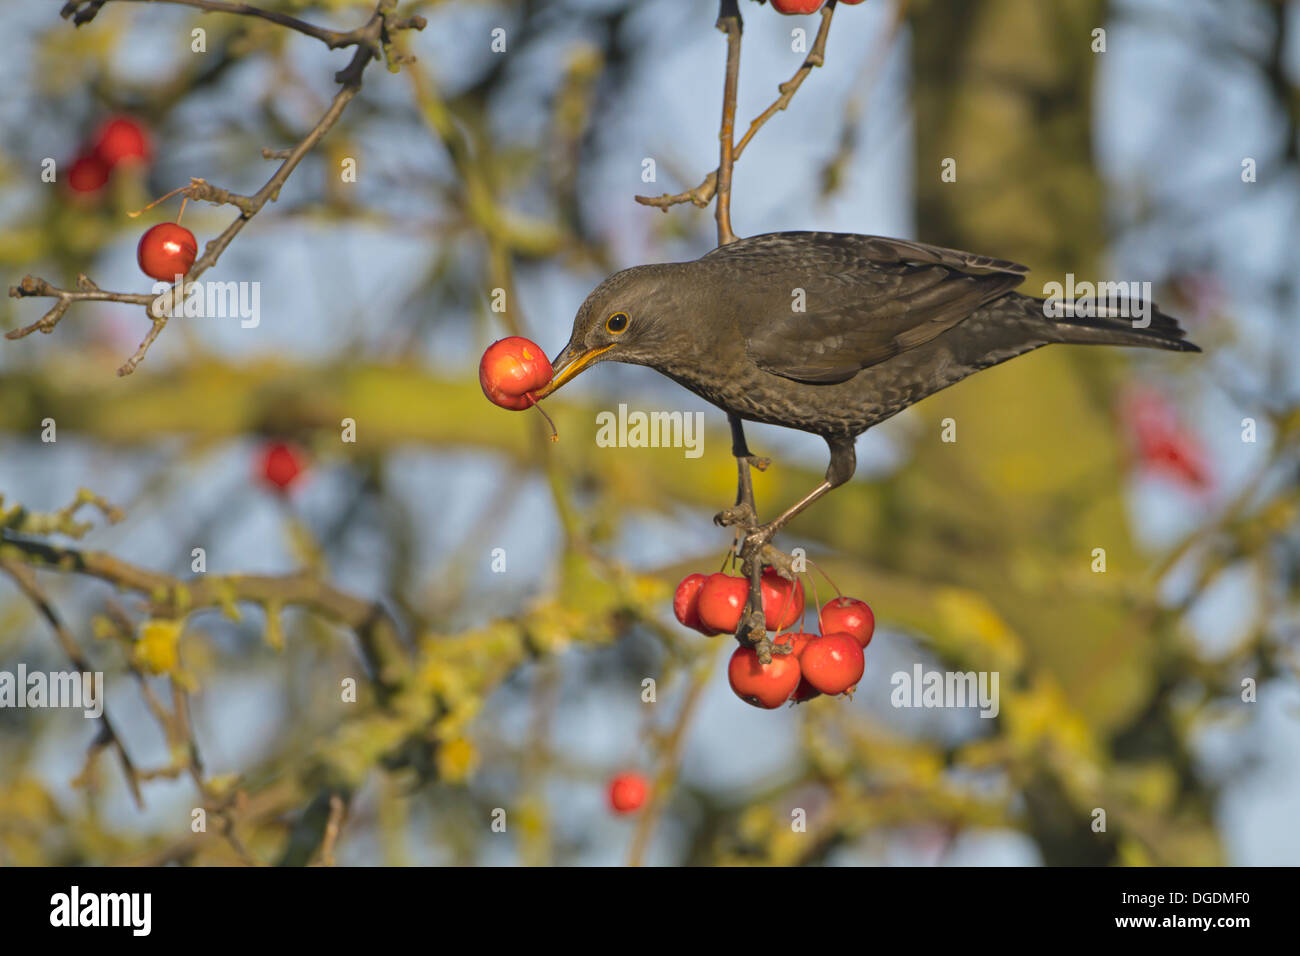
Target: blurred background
<point x="499" y="600"/>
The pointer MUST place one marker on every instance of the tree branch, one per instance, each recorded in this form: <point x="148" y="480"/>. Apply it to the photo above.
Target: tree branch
<point x="371" y="40"/>
<point x="703" y="194"/>
<point x="730" y="23"/>
<point x="25" y="578"/>
<point x="169" y="597"/>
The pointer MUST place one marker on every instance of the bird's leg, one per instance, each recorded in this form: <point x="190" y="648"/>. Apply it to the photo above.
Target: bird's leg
<point x="842" y="465"/>
<point x="743" y="514"/>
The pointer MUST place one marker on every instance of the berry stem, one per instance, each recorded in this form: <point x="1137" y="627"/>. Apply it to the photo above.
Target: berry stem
<point x="164" y="196"/>
<point x="838" y="592"/>
<point x="555" y="434"/>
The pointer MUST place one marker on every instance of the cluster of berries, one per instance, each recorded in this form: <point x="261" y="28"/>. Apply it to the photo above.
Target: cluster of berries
<point x="119" y="139"/>
<point x="803" y="665"/>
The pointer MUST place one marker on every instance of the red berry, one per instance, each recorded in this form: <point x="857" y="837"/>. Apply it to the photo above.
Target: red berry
<point x="852" y="3"/>
<point x="767" y="686"/>
<point x="798" y="641"/>
<point x="805" y="691"/>
<point x="282" y="464"/>
<point x="510" y="369"/>
<point x="832" y="663"/>
<point x="782" y="600"/>
<point x="87" y="174"/>
<point x="849" y="616"/>
<point x="722" y="598"/>
<point x="122" y="138"/>
<point x="686" y="603"/>
<point x="791" y="7"/>
<point x="627" y="792"/>
<point x="166" y="251"/>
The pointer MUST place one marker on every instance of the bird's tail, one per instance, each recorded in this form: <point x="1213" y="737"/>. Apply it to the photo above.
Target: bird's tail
<point x="1082" y="323"/>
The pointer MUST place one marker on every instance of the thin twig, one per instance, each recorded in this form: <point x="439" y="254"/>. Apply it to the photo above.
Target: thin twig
<point x="703" y="194"/>
<point x="375" y="628"/>
<point x="730" y="23"/>
<point x="25" y="578"/>
<point x="371" y="40"/>
<point x="671" y="755"/>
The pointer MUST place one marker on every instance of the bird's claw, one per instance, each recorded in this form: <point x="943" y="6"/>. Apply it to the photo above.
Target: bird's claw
<point x="780" y="560"/>
<point x="739" y="515"/>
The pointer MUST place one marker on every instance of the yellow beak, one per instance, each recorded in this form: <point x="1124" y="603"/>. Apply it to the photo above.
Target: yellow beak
<point x="569" y="366"/>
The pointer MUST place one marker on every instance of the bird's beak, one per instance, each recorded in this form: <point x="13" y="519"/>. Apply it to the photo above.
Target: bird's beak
<point x="568" y="364"/>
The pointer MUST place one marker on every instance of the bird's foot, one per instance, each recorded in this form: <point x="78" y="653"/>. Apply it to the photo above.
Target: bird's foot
<point x="740" y="515"/>
<point x="755" y="543"/>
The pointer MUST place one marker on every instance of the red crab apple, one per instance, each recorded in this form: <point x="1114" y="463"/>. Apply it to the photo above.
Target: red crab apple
<point x="832" y="663"/>
<point x="511" y="368"/>
<point x="798" y="641"/>
<point x="282" y="463"/>
<point x="846" y="615"/>
<point x="722" y="598"/>
<point x="686" y="603"/>
<point x="762" y="685"/>
<point x="627" y="792"/>
<point x="166" y="251"/>
<point x="87" y="174"/>
<point x="791" y="7"/>
<point x="782" y="600"/>
<point x="122" y="138"/>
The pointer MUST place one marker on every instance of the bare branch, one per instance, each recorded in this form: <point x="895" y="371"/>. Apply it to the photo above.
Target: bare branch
<point x="730" y="23"/>
<point x="25" y="578"/>
<point x="703" y="194"/>
<point x="83" y="11"/>
<point x="372" y="41"/>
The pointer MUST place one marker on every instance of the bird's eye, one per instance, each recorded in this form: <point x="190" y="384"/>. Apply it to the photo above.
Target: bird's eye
<point x="616" y="323"/>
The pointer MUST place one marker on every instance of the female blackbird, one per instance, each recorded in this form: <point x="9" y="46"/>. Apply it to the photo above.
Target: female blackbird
<point x="831" y="333"/>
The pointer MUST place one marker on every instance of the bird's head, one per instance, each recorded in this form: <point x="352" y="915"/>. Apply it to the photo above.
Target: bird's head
<point x="628" y="318"/>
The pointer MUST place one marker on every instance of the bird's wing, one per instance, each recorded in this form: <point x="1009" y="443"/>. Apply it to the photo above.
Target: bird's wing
<point x="865" y="298"/>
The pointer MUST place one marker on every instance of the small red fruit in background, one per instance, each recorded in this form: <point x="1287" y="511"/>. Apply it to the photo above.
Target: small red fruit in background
<point x="282" y="463"/>
<point x="792" y="7"/>
<point x="767" y="686"/>
<point x="686" y="603"/>
<point x="849" y="616"/>
<point x="722" y="598"/>
<point x="1161" y="443"/>
<point x="510" y="369"/>
<point x="87" y="174"/>
<point x="166" y="251"/>
<point x="782" y="600"/>
<point x="832" y="663"/>
<point x="627" y="792"/>
<point x="122" y="138"/>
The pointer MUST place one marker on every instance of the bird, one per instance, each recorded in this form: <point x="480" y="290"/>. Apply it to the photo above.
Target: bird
<point x="831" y="333"/>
